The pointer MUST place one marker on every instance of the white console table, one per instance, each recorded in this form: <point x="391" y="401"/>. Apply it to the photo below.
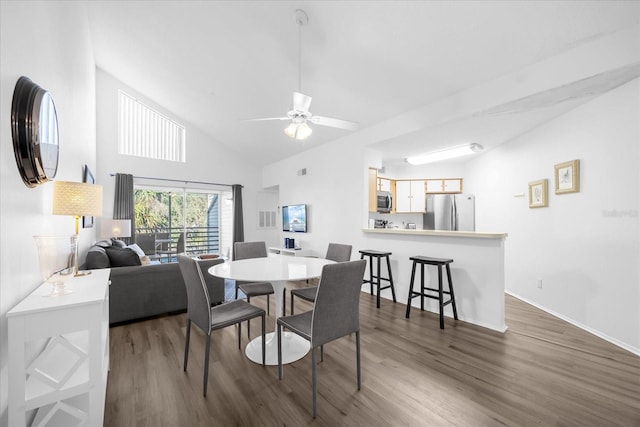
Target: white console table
<point x="59" y="354"/>
<point x="289" y="251"/>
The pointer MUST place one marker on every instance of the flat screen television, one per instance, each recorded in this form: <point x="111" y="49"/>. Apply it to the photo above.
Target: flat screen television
<point x="294" y="218"/>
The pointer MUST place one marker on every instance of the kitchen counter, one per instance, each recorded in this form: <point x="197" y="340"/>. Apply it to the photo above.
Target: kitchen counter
<point x="478" y="270"/>
<point x="440" y="233"/>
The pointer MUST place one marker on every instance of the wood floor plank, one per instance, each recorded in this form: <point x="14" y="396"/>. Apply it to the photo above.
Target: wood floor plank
<point x="542" y="371"/>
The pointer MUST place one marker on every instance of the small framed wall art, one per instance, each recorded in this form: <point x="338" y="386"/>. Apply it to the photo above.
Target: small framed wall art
<point x="538" y="196"/>
<point x="568" y="177"/>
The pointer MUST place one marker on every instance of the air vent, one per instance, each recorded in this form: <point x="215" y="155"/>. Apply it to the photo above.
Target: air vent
<point x="266" y="219"/>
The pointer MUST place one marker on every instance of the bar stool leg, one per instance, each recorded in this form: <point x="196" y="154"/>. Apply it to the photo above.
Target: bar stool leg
<point x="453" y="298"/>
<point x="393" y="292"/>
<point x="378" y="285"/>
<point x="440" y="297"/>
<point x="370" y="274"/>
<point x="413" y="275"/>
<point x="421" y="287"/>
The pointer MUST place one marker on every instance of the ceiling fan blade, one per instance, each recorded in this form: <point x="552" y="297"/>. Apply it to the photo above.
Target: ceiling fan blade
<point x="267" y="118"/>
<point x="334" y="123"/>
<point x="301" y="102"/>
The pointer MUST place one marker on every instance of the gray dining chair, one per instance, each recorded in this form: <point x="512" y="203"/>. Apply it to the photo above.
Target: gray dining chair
<point x="215" y="285"/>
<point x="207" y="318"/>
<point x="247" y="250"/>
<point x="336" y="313"/>
<point x="335" y="252"/>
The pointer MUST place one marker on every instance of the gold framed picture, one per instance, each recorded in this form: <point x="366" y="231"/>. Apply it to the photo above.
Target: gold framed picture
<point x="538" y="197"/>
<point x="568" y="177"/>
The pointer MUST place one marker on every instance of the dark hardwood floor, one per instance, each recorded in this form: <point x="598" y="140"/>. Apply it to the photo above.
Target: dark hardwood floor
<point x="542" y="371"/>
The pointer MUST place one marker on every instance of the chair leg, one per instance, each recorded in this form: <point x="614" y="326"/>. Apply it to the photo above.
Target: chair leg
<point x="358" y="357"/>
<point x="280" y="370"/>
<point x="186" y="344"/>
<point x="206" y="364"/>
<point x="291" y="296"/>
<point x="264" y="353"/>
<point x="322" y="353"/>
<point x="284" y="302"/>
<point x="313" y="379"/>
<point x="249" y="321"/>
<point x="440" y="297"/>
<point x="267" y="304"/>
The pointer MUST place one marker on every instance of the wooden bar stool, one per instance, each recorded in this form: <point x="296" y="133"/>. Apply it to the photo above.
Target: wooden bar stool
<point x="376" y="277"/>
<point x="439" y="262"/>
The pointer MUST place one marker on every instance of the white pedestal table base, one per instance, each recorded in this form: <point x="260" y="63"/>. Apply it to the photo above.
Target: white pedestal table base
<point x="294" y="348"/>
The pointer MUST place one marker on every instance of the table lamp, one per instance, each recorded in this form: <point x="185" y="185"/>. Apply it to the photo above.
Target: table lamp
<point x="115" y="228"/>
<point x="77" y="199"/>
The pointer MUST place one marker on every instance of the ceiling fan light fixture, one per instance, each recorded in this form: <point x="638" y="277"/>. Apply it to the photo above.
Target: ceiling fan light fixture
<point x="298" y="131"/>
<point x="446" y="154"/>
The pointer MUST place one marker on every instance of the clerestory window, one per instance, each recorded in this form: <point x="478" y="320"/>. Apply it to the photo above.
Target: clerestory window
<point x="144" y="132"/>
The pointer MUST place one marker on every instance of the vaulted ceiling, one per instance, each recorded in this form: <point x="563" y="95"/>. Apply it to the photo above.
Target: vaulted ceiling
<point x="218" y="63"/>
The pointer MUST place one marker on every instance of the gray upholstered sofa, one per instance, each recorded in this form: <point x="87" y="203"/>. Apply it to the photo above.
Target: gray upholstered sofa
<point x="141" y="291"/>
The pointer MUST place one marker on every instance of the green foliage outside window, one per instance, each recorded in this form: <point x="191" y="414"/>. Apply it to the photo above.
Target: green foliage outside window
<point x="152" y="207"/>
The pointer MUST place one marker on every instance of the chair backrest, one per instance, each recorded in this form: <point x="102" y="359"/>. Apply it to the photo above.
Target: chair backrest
<point x="338" y="252"/>
<point x="246" y="250"/>
<point x="147" y="243"/>
<point x="336" y="312"/>
<point x="198" y="302"/>
<point x="164" y="246"/>
<point x="215" y="285"/>
<point x="180" y="245"/>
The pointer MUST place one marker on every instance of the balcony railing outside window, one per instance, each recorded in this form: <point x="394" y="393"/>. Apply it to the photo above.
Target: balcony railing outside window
<point x="199" y="240"/>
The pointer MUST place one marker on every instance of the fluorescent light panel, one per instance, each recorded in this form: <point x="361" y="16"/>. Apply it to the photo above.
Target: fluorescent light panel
<point x="448" y="153"/>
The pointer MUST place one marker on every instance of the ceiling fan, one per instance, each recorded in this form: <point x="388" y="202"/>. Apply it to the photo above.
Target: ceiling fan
<point x="299" y="115"/>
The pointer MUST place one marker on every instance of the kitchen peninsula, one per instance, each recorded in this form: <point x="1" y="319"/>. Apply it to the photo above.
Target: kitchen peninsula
<point x="477" y="269"/>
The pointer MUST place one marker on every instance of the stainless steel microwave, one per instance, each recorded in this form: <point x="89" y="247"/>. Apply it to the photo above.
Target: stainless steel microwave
<point x="385" y="202"/>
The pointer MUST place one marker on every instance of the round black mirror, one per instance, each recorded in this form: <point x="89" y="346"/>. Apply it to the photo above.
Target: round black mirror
<point x="34" y="127"/>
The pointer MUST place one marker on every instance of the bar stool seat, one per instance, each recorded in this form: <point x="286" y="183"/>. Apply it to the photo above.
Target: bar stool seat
<point x="375" y="277"/>
<point x="426" y="292"/>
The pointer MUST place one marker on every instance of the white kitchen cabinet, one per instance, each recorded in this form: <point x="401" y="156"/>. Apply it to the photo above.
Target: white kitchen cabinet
<point x="410" y="196"/>
<point x="453" y="185"/>
<point x="384" y="184"/>
<point x="434" y="185"/>
<point x="444" y="185"/>
<point x="59" y="354"/>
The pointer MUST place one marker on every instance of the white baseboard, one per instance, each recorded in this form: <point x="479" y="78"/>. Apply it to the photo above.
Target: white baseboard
<point x="599" y="334"/>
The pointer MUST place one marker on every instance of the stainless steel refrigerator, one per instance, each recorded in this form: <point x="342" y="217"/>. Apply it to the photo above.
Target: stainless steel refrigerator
<point x="450" y="212"/>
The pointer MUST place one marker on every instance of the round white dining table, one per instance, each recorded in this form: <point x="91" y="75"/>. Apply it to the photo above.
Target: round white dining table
<point x="276" y="269"/>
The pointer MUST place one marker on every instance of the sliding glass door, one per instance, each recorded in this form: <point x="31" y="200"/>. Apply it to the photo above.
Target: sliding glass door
<point x="194" y="221"/>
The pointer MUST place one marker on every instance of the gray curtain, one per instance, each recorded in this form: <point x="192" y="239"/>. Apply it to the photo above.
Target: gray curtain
<point x="238" y="224"/>
<point x="123" y="204"/>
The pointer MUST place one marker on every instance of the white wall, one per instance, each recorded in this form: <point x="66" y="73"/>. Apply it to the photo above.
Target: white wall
<point x="207" y="160"/>
<point x="585" y="245"/>
<point x="589" y="264"/>
<point x="50" y="44"/>
<point x="587" y="258"/>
